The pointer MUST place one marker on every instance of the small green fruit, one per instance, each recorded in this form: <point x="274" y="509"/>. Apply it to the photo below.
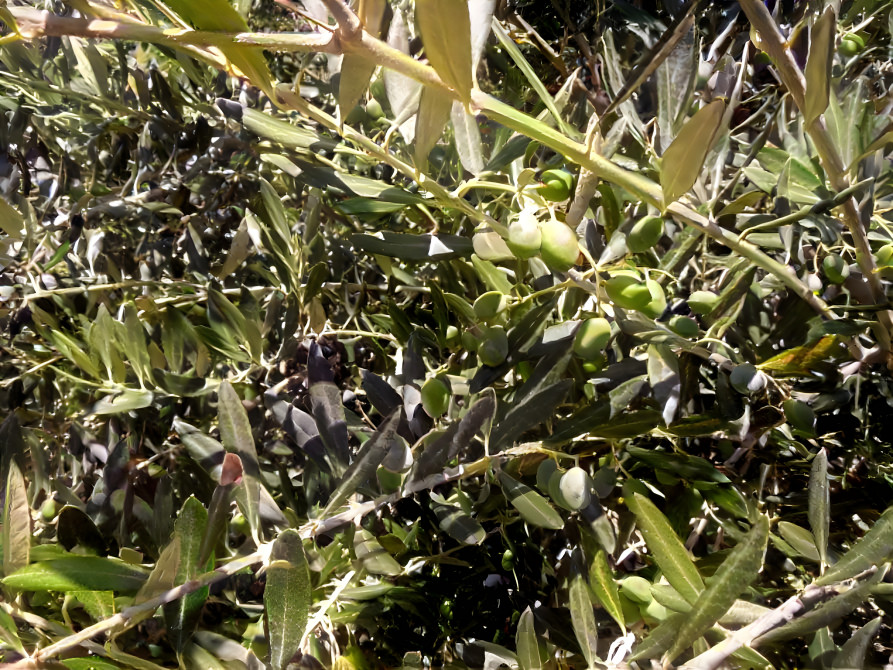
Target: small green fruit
<point x="658" y="303"/>
<point x="559" y="249"/>
<point x="546" y="469"/>
<point x="557" y="185"/>
<point x="435" y="396"/>
<point x="637" y="589"/>
<point x="645" y="234"/>
<point x="389" y="481"/>
<point x="591" y="338"/>
<point x="494" y="348"/>
<point x="374" y="110"/>
<point x="702" y="302"/>
<point x="884" y="256"/>
<point x="836" y="269"/>
<point x="452" y="334"/>
<point x="684" y="326"/>
<point x="489" y="305"/>
<point x="525" y="236"/>
<point x="628" y="292"/>
<point x="48" y="510"/>
<point x="574" y="486"/>
<point x="747" y="380"/>
<point x="555" y="489"/>
<point x="851" y="45"/>
<point x="508" y="560"/>
<point x="800" y="415"/>
<point x="469" y="341"/>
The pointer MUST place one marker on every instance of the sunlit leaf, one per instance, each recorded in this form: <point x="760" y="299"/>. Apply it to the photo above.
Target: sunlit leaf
<point x="15" y="534"/>
<point x="603" y="586"/>
<point x="449" y="50"/>
<point x="819" y="509"/>
<point x="527" y="643"/>
<point x="682" y="161"/>
<point x="669" y="552"/>
<point x="434" y="113"/>
<point x="818" y="65"/>
<point x="582" y="617"/>
<point x="737" y="571"/>
<point x="77" y="573"/>
<point x="181" y="615"/>
<point x="287" y="598"/>
<point x="533" y="507"/>
<point x="875" y="547"/>
<point x="373" y="556"/>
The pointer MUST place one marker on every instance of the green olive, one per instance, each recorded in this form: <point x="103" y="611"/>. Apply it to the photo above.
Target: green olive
<point x="435" y="396"/>
<point x="489" y="304"/>
<point x="374" y="110"/>
<point x="884" y="256"/>
<point x="628" y="292"/>
<point x="494" y="348"/>
<point x="546" y="469"/>
<point x="555" y="489"/>
<point x="684" y="326"/>
<point x="508" y="560"/>
<point x="574" y="486"/>
<point x="559" y="249"/>
<point x="591" y="338"/>
<point x="836" y="269"/>
<point x="637" y="589"/>
<point x="469" y="341"/>
<point x="525" y="236"/>
<point x="702" y="302"/>
<point x="645" y="234"/>
<point x="747" y="380"/>
<point x="48" y="510"/>
<point x="658" y="303"/>
<point x="557" y="185"/>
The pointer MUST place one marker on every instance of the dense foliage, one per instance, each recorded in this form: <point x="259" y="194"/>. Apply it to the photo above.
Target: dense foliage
<point x="559" y="344"/>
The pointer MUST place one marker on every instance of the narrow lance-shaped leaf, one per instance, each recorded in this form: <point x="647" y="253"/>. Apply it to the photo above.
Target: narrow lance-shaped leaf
<point x="77" y="573"/>
<point x="403" y="92"/>
<point x="370" y="457"/>
<point x="603" y="586"/>
<point x="15" y="537"/>
<point x="852" y="654"/>
<point x="526" y="642"/>
<point x="457" y="522"/>
<point x="434" y="112"/>
<point x="819" y="504"/>
<point x="582" y="617"/>
<point x="287" y="598"/>
<point x="873" y="549"/>
<point x="818" y="65"/>
<point x="235" y="433"/>
<point x="468" y="139"/>
<point x="373" y="556"/>
<point x="182" y="614"/>
<point x="531" y="505"/>
<point x="669" y="552"/>
<point x="357" y="70"/>
<point x="446" y="33"/>
<point x="682" y="161"/>
<point x="737" y="571"/>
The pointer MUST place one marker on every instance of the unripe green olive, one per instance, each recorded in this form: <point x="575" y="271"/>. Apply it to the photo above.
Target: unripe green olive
<point x="658" y="303"/>
<point x="702" y="302"/>
<point x="494" y="348"/>
<point x="435" y="396"/>
<point x="525" y="237"/>
<point x="851" y="45"/>
<point x="374" y="110"/>
<point x="592" y="336"/>
<point x="747" y="380"/>
<point x="684" y="326"/>
<point x="574" y="486"/>
<point x="559" y="249"/>
<point x="884" y="256"/>
<point x="645" y="234"/>
<point x="637" y="589"/>
<point x="489" y="304"/>
<point x="48" y="510"/>
<point x="546" y="469"/>
<point x="555" y="489"/>
<point x="628" y="292"/>
<point x="452" y="334"/>
<point x="800" y="415"/>
<point x="557" y="185"/>
<point x="469" y="341"/>
<point x="836" y="269"/>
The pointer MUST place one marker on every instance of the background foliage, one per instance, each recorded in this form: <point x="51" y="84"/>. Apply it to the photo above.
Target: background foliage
<point x="280" y="355"/>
